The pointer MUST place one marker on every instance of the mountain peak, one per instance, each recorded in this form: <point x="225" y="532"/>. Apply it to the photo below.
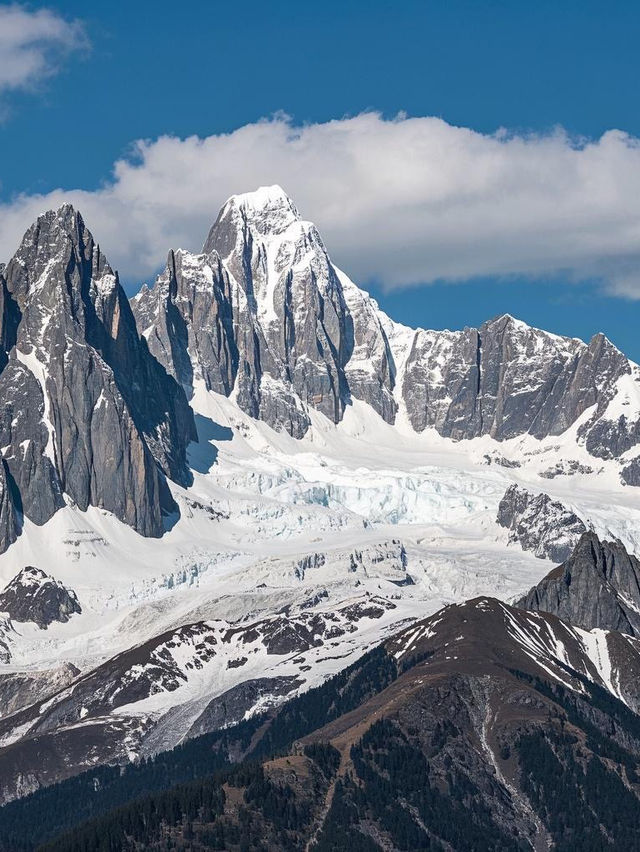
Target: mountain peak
<point x="264" y="198"/>
<point x="504" y="320"/>
<point x="64" y="218"/>
<point x="597" y="586"/>
<point x="58" y="238"/>
<point x="268" y="211"/>
<point x="33" y="595"/>
<point x="66" y="209"/>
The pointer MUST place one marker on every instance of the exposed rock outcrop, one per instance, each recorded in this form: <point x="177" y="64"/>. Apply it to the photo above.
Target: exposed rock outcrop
<point x="263" y="312"/>
<point x="507" y="379"/>
<point x="87" y="411"/>
<point x="233" y="705"/>
<point x="597" y="586"/>
<point x="630" y="473"/>
<point x="264" y="315"/>
<point x="35" y="596"/>
<point x="540" y="524"/>
<point x="9" y="514"/>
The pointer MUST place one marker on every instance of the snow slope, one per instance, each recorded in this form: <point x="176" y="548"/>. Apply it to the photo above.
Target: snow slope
<point x="292" y="556"/>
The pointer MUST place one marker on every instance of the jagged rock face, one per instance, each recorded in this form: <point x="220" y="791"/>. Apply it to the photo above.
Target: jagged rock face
<point x="264" y="312"/>
<point x="598" y="586"/>
<point x="35" y="596"/>
<point x="630" y="474"/>
<point x="280" y="264"/>
<point x="6" y="639"/>
<point x="88" y="412"/>
<point x="232" y="707"/>
<point x="9" y="520"/>
<point x="190" y="310"/>
<point x="539" y="524"/>
<point x="506" y="379"/>
<point x="26" y="440"/>
<point x="371" y="369"/>
<point x="20" y="689"/>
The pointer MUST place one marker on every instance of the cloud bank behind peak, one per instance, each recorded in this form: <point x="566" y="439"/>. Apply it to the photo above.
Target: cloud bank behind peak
<point x="398" y="201"/>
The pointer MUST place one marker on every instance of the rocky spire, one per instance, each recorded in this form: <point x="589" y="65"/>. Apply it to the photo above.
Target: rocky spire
<point x="263" y="312"/>
<point x="88" y="412"/>
<point x="597" y="586"/>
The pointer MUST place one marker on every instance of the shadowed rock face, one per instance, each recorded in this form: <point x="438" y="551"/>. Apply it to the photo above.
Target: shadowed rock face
<point x="233" y="705"/>
<point x="631" y="473"/>
<point x="9" y="516"/>
<point x="87" y="411"/>
<point x="597" y="586"/>
<point x="35" y="596"/>
<point x="540" y="524"/>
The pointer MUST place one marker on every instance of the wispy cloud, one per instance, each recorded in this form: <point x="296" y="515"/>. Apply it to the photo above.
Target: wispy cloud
<point x="404" y="201"/>
<point x="33" y="45"/>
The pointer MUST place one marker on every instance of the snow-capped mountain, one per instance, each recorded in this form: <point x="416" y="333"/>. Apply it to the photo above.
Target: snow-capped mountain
<point x="34" y="596"/>
<point x="235" y="485"/>
<point x="263" y="313"/>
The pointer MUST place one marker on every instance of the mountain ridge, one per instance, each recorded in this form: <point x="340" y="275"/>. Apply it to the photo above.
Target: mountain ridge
<point x="75" y="423"/>
<point x="469" y="725"/>
<point x="346" y="483"/>
<point x="504" y="379"/>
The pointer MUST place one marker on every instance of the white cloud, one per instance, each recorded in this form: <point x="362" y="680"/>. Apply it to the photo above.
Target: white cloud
<point x="401" y="201"/>
<point x="33" y="43"/>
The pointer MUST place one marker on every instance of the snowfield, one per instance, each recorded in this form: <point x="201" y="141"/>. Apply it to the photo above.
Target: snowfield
<point x="350" y="514"/>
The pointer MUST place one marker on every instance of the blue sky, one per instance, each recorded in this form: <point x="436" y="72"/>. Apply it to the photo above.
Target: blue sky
<point x="149" y="69"/>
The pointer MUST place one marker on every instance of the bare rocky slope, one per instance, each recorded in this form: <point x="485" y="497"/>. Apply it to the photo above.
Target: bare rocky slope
<point x="482" y="727"/>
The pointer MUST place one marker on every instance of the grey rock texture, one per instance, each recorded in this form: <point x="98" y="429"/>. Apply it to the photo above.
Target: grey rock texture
<point x="507" y="379"/>
<point x="9" y="516"/>
<point x="232" y="706"/>
<point x="569" y="467"/>
<point x="87" y="411"/>
<point x="20" y="689"/>
<point x="263" y="313"/>
<point x="630" y="473"/>
<point x="539" y="524"/>
<point x="190" y="310"/>
<point x="6" y="639"/>
<point x="597" y="586"/>
<point x="35" y="596"/>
